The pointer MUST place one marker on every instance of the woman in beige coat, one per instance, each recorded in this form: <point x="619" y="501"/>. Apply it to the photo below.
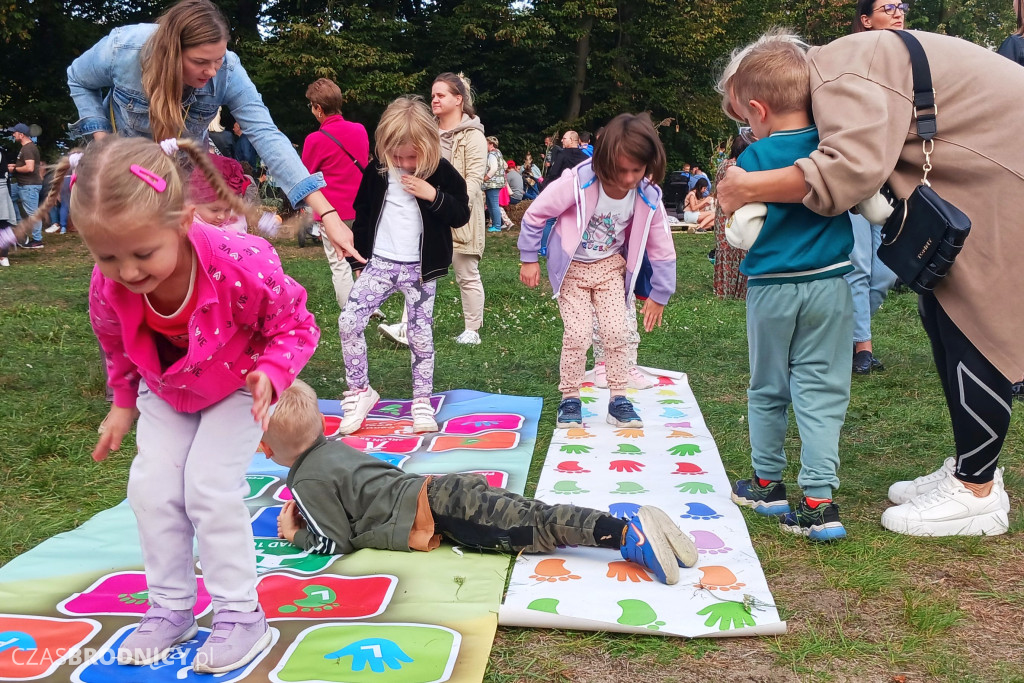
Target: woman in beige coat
<point x="464" y="145"/>
<point x="861" y="96"/>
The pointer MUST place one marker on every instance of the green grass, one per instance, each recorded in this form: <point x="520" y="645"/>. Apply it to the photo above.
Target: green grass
<point x="873" y="607"/>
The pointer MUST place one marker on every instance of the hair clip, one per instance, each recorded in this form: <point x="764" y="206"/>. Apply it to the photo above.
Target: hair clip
<point x="74" y="177"/>
<point x="148" y="177"/>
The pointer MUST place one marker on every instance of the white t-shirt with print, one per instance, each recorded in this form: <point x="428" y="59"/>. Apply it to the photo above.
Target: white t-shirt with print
<point x="401" y="225"/>
<point x="605" y="235"/>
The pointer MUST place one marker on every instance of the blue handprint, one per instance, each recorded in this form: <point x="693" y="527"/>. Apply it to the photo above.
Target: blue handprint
<point x="699" y="511"/>
<point x="623" y="510"/>
<point x="672" y="412"/>
<point x="379" y="653"/>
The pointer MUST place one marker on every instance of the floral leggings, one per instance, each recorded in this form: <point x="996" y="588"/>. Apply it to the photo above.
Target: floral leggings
<point x="380" y="279"/>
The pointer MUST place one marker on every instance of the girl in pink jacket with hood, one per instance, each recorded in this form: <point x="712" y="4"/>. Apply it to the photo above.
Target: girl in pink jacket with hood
<point x="202" y="331"/>
<point x="608" y="213"/>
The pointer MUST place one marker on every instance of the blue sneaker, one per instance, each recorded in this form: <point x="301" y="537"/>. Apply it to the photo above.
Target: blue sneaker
<point x="654" y="541"/>
<point x="764" y="500"/>
<point x="622" y="414"/>
<point x="817" y="524"/>
<point x="570" y="413"/>
<point x="493" y="229"/>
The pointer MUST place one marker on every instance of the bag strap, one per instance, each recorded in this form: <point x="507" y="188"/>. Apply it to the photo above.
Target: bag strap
<point x="338" y="143"/>
<point x="924" y="93"/>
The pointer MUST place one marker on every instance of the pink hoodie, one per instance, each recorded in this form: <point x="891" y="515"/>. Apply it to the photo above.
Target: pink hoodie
<point x="249" y="316"/>
<point x="572" y="200"/>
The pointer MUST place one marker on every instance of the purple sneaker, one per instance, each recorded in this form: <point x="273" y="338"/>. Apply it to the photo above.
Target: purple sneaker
<point x="159" y="631"/>
<point x="236" y="639"/>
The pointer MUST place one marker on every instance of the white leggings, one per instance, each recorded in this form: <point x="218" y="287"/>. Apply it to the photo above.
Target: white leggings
<point x="188" y="480"/>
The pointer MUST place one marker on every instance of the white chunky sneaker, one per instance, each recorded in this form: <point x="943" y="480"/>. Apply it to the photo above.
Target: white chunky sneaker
<point x="423" y="417"/>
<point x="902" y="491"/>
<point x="636" y="379"/>
<point x="468" y="337"/>
<point x="357" y="405"/>
<point x="950" y="509"/>
<point x="395" y="333"/>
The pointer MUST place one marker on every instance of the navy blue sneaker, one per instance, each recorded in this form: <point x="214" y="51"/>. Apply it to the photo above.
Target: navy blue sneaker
<point x="817" y="524"/>
<point x="622" y="414"/>
<point x="570" y="413"/>
<point x="654" y="542"/>
<point x="764" y="500"/>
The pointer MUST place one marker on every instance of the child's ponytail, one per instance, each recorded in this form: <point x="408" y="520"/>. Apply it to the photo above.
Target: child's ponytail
<point x="60" y="172"/>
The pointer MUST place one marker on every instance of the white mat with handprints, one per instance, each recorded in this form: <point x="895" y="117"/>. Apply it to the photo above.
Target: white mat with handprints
<point x="672" y="463"/>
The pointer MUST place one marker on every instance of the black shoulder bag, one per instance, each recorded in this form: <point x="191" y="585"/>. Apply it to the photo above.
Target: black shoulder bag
<point x="924" y="234"/>
<point x="338" y="143"/>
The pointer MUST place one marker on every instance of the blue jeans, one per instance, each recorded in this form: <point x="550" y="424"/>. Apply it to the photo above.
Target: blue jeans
<point x="870" y="279"/>
<point x="799" y="344"/>
<point x="493" y="208"/>
<point x="27" y="196"/>
<point x="549" y="225"/>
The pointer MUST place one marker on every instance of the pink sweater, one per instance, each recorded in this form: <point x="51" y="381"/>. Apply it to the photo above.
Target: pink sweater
<point x="320" y="154"/>
<point x="249" y="316"/>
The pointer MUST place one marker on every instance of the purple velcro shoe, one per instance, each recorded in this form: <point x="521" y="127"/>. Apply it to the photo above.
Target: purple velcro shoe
<point x="236" y="639"/>
<point x="159" y="631"/>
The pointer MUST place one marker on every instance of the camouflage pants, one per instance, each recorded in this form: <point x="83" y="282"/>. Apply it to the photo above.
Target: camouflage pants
<point x="469" y="512"/>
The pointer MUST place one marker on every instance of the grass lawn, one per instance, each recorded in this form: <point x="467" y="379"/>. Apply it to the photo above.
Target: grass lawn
<point x="877" y="607"/>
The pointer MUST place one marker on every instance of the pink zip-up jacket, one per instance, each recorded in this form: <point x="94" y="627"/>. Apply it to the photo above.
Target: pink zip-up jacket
<point x="249" y="316"/>
<point x="572" y="200"/>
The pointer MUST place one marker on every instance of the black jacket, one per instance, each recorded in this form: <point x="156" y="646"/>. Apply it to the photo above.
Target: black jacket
<point x="450" y="209"/>
<point x="564" y="159"/>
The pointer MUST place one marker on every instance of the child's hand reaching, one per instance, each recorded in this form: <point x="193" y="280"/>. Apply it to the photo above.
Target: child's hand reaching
<point x="419" y="188"/>
<point x="262" y="392"/>
<point x="529" y="274"/>
<point x="289" y="521"/>
<point x="652" y="314"/>
<point x="112" y="430"/>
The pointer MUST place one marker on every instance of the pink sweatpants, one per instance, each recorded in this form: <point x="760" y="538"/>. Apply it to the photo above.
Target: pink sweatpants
<point x="590" y="288"/>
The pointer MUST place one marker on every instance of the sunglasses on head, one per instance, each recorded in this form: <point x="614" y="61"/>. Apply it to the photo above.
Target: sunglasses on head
<point x="890" y="9"/>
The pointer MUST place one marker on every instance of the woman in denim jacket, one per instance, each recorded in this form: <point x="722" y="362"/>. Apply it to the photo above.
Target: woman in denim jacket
<point x="167" y="80"/>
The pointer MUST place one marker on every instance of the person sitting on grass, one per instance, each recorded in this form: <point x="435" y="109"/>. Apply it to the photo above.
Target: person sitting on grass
<point x="344" y="499"/>
<point x="696" y="207"/>
<point x="799" y="307"/>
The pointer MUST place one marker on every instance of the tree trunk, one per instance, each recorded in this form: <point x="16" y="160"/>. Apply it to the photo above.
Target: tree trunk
<point x="572" y="111"/>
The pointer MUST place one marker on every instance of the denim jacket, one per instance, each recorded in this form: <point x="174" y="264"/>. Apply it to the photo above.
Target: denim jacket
<point x="107" y="79"/>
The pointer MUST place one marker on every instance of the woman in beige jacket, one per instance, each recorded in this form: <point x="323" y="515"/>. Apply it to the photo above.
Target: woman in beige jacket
<point x="861" y="96"/>
<point x="464" y="145"/>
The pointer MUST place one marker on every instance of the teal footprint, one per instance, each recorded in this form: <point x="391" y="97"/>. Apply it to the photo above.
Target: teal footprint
<point x="639" y="613"/>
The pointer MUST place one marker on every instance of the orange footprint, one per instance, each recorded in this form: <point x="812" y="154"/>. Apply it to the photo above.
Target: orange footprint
<point x="577" y="433"/>
<point x="679" y="434"/>
<point x="553" y="570"/>
<point x="718" y="579"/>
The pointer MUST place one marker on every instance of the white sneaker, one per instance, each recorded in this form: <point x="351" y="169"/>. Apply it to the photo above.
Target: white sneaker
<point x="395" y="333"/>
<point x="950" y="509"/>
<point x="357" y="405"/>
<point x="5" y="262"/>
<point x="600" y="376"/>
<point x="53" y="228"/>
<point x="638" y="380"/>
<point x="423" y="417"/>
<point x="468" y="337"/>
<point x="378" y="315"/>
<point x="903" y="491"/>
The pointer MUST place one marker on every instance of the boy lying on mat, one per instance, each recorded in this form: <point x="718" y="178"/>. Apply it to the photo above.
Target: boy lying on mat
<point x="345" y="499"/>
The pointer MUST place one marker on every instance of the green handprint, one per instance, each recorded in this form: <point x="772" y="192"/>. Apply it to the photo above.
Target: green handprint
<point x="393" y="409"/>
<point x="629" y="487"/>
<point x="549" y="605"/>
<point x="575" y="449"/>
<point x="628" y="449"/>
<point x="138" y="598"/>
<point x="318" y="598"/>
<point x="588" y="399"/>
<point x="639" y="613"/>
<point x="670" y="401"/>
<point x="684" y="449"/>
<point x="695" y="487"/>
<point x="727" y="615"/>
<point x="566" y="488"/>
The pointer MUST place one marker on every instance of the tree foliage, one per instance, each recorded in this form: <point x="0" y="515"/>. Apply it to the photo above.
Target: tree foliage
<point x="537" y="67"/>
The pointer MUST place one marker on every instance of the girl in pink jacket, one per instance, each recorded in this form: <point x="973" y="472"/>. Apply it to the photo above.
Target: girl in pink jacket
<point x="202" y="330"/>
<point x="609" y="214"/>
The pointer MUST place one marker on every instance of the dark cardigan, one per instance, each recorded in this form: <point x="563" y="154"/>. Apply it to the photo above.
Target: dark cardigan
<point x="450" y="209"/>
